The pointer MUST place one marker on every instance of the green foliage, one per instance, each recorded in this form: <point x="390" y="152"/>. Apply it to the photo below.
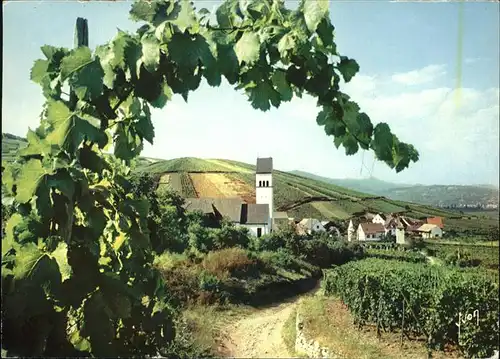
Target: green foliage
<point x="469" y="255"/>
<point x="318" y="250"/>
<point x="406" y="256"/>
<point x="374" y="291"/>
<point x="98" y="294"/>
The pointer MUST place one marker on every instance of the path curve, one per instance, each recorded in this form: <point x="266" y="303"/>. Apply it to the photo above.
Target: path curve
<point x="258" y="335"/>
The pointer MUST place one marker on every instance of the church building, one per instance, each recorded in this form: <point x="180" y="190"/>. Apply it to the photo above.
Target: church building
<point x="258" y="217"/>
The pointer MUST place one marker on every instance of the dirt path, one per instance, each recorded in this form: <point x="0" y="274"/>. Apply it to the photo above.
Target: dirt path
<point x="259" y="334"/>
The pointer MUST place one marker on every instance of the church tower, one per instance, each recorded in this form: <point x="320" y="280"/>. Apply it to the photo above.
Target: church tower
<point x="264" y="185"/>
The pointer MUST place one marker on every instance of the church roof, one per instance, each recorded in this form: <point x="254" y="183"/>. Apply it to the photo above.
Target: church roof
<point x="254" y="213"/>
<point x="264" y="165"/>
<point x="226" y="207"/>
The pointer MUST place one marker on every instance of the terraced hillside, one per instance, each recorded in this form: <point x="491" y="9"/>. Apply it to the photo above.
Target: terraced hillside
<point x="299" y="196"/>
<point x="10" y="145"/>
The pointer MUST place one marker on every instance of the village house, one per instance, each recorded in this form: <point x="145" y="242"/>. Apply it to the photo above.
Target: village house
<point x="258" y="217"/>
<point x="380" y="218"/>
<point x="438" y="221"/>
<point x="430" y="231"/>
<point x="309" y="225"/>
<point x="370" y="232"/>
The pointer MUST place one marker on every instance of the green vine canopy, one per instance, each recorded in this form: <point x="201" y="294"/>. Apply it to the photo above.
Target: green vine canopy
<point x="76" y="256"/>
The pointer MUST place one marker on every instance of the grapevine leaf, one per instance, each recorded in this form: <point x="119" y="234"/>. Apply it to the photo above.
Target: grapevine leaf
<point x="187" y="50"/>
<point x="36" y="145"/>
<point x="61" y="257"/>
<point x="26" y="260"/>
<point x="225" y="13"/>
<point x="365" y="130"/>
<point x="247" y="48"/>
<point x="382" y="143"/>
<point x="150" y="53"/>
<point x="79" y="343"/>
<point x="32" y="172"/>
<point x="143" y="11"/>
<point x="282" y="85"/>
<point x="228" y="62"/>
<point x="39" y="71"/>
<point x="87" y="81"/>
<point x="54" y="54"/>
<point x="296" y="76"/>
<point x="135" y="207"/>
<point x="338" y="141"/>
<point x="286" y="43"/>
<point x="92" y="161"/>
<point x="165" y="96"/>
<point x="78" y="58"/>
<point x="348" y="68"/>
<point x="63" y="182"/>
<point x="325" y="31"/>
<point x="8" y="241"/>
<point x="186" y="17"/>
<point x="59" y="117"/>
<point x="314" y="12"/>
<point x="106" y="55"/>
<point x="127" y="52"/>
<point x="262" y="94"/>
<point x="98" y="326"/>
<point x="145" y="128"/>
<point x="350" y="144"/>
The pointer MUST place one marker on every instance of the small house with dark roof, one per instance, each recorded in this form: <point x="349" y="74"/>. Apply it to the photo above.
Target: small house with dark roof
<point x="370" y="232"/>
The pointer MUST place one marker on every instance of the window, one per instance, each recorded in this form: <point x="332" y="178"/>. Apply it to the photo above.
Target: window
<point x="267" y="183"/>
<point x="260" y="183"/>
<point x="259" y="232"/>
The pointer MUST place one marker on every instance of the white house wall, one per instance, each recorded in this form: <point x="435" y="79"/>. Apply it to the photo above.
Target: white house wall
<point x="378" y="219"/>
<point x="263" y="177"/>
<point x="363" y="237"/>
<point x="400" y="236"/>
<point x="253" y="228"/>
<point x="264" y="195"/>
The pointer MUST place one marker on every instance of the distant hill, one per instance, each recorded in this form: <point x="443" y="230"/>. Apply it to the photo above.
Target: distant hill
<point x="10" y="145"/>
<point x="299" y="196"/>
<point x="434" y="195"/>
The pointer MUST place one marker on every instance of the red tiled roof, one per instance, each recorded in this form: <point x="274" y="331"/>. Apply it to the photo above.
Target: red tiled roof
<point x="438" y="221"/>
<point x="372" y="228"/>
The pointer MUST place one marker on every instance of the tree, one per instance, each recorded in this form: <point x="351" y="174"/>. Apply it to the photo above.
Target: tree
<point x="77" y="274"/>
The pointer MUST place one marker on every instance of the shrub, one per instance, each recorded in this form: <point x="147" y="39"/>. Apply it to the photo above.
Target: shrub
<point x="280" y="259"/>
<point x="234" y="262"/>
<point x="229" y="236"/>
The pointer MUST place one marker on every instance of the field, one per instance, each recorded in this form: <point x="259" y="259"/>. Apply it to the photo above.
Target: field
<point x="298" y="196"/>
<point x="420" y="301"/>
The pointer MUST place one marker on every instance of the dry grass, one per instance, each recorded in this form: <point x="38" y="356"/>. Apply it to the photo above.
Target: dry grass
<point x="330" y="323"/>
<point x="228" y="262"/>
<point x="222" y="185"/>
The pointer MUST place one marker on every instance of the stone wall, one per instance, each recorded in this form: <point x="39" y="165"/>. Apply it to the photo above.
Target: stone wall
<point x="308" y="346"/>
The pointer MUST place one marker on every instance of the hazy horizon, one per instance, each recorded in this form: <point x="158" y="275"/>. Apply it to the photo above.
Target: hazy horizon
<point x="406" y="80"/>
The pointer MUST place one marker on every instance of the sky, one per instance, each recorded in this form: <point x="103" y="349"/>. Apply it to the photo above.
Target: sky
<point x="412" y="77"/>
